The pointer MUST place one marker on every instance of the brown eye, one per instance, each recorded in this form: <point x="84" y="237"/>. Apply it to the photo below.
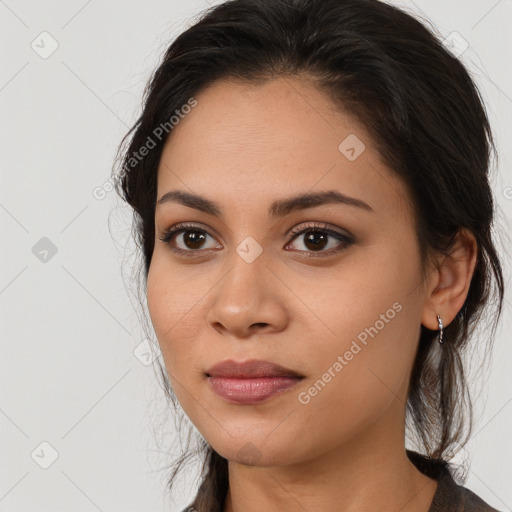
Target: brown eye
<point x="193" y="239"/>
<point x="186" y="238"/>
<point x="315" y="239"/>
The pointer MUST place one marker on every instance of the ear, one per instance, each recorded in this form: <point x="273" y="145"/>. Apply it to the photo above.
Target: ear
<point x="449" y="285"/>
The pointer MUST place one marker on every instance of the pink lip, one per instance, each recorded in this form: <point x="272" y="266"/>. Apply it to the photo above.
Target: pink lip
<point x="251" y="381"/>
<point x="250" y="391"/>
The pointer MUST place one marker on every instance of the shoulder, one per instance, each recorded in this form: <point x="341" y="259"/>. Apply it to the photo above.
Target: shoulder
<point x="450" y="495"/>
<point x="453" y="497"/>
<point x="473" y="503"/>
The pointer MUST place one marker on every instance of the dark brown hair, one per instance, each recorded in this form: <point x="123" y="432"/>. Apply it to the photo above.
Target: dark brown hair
<point x="424" y="113"/>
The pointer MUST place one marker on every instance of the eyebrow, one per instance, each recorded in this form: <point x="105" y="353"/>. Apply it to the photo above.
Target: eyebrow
<point x="278" y="208"/>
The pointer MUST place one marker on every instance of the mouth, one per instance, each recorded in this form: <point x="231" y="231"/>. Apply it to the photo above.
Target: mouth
<point x="250" y="382"/>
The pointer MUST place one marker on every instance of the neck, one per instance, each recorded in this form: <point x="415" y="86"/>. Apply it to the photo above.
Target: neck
<point x="371" y="472"/>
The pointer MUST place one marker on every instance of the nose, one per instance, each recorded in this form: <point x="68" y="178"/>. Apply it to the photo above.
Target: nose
<point x="248" y="300"/>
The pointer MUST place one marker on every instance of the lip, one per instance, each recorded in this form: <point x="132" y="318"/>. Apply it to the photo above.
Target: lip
<point x="250" y="391"/>
<point x="250" y="382"/>
<point x="250" y="369"/>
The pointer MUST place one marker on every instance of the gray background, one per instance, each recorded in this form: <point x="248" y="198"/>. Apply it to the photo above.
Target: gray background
<point x="73" y="374"/>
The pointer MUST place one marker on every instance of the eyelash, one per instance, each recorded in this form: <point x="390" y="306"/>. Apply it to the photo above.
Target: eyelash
<point x="346" y="240"/>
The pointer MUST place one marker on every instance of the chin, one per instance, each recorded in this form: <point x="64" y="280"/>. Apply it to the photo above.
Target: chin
<point x="253" y="451"/>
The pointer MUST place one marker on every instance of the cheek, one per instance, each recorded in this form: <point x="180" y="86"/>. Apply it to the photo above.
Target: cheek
<point x="368" y="339"/>
<point x="360" y="377"/>
<point x="174" y="306"/>
<point x="157" y="300"/>
<point x="170" y="298"/>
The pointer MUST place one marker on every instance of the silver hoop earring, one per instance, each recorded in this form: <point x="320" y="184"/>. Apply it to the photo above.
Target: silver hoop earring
<point x="440" y="322"/>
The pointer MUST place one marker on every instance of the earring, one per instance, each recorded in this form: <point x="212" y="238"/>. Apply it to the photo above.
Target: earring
<point x="440" y="322"/>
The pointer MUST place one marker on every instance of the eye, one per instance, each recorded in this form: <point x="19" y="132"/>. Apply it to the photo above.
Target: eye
<point x="193" y="237"/>
<point x="317" y="240"/>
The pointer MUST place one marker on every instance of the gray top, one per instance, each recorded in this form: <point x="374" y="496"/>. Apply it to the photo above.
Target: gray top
<point x="450" y="496"/>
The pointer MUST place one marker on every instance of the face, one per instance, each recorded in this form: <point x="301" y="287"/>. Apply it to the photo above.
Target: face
<point x="330" y="289"/>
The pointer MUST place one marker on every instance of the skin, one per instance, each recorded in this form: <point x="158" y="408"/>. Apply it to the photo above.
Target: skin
<point x="244" y="147"/>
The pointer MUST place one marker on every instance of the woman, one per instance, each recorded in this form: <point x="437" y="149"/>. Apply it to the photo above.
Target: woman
<point x="310" y="186"/>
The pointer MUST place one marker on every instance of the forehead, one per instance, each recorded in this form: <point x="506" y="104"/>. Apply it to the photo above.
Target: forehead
<point x="243" y="142"/>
